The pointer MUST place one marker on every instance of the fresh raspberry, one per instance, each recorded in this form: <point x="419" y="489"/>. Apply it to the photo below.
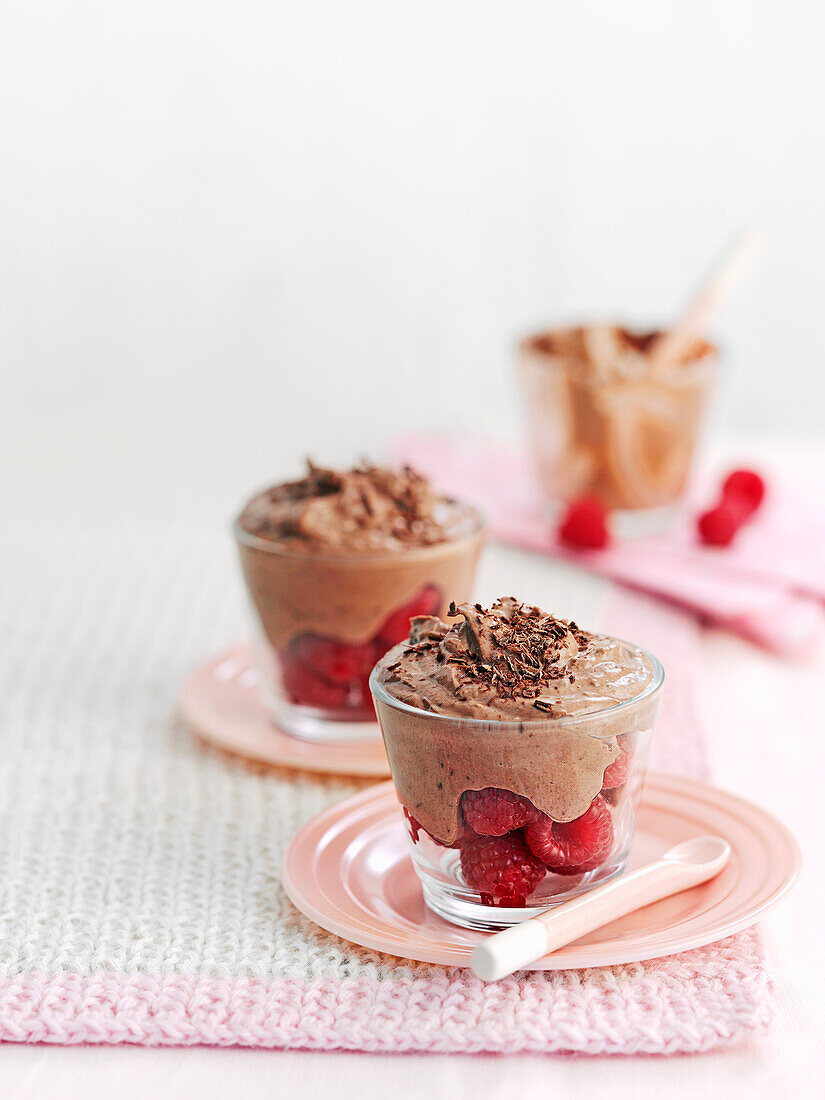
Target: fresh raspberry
<point x="336" y="661"/>
<point x="494" y="812"/>
<point x="584" y="524"/>
<point x="397" y="626"/>
<point x="416" y="829"/>
<point x="574" y="846"/>
<point x="306" y="687"/>
<point x="501" y="867"/>
<point x="415" y="826"/>
<point x="366" y="694"/>
<point x="614" y="795"/>
<point x="616" y="773"/>
<point x="745" y="488"/>
<point x="718" y="526"/>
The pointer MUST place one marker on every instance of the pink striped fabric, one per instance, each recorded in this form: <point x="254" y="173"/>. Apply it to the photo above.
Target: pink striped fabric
<point x="768" y="586"/>
<point x="683" y="1004"/>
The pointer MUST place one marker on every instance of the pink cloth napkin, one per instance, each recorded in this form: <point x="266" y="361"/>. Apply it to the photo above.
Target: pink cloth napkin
<point x="769" y="586"/>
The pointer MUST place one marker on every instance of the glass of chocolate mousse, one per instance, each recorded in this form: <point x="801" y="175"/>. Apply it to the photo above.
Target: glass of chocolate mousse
<point x="607" y="419"/>
<point x="336" y="565"/>
<point x="518" y="745"/>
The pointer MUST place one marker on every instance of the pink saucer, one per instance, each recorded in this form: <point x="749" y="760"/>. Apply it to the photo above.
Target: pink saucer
<point x="220" y="702"/>
<point x="350" y="872"/>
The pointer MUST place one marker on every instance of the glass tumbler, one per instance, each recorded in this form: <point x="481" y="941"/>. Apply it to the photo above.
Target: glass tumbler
<point x="322" y="620"/>
<point x="627" y="439"/>
<point x="577" y="781"/>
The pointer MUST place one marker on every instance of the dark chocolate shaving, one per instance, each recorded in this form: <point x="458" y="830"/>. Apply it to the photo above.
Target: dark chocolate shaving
<point x="517" y="649"/>
<point x="363" y="506"/>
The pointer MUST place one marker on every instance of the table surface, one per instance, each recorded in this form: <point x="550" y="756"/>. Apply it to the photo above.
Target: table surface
<point x="763" y="717"/>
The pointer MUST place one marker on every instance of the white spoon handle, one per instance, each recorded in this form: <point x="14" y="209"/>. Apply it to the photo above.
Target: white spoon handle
<point x="522" y="944"/>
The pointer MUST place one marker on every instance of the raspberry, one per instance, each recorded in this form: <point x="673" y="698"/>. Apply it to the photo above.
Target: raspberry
<point x="576" y="846"/>
<point x="306" y="687"/>
<point x="366" y="694"/>
<point x="501" y="867"/>
<point x="397" y="626"/>
<point x="416" y="829"/>
<point x="616" y="773"/>
<point x="322" y="672"/>
<point x="584" y="524"/>
<point x="415" y="826"/>
<point x="746" y="489"/>
<point x="718" y="526"/>
<point x="494" y="812"/>
<point x="614" y="795"/>
<point x="336" y="661"/>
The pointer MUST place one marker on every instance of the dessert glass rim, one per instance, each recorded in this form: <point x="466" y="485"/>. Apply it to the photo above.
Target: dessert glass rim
<point x="708" y="358"/>
<point x="547" y="720"/>
<point x="434" y="549"/>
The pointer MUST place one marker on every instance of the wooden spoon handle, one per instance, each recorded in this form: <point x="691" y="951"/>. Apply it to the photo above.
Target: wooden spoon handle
<point x="706" y="302"/>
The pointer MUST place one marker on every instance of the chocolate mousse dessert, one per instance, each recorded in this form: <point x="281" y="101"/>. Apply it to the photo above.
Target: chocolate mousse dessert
<point x="336" y="565"/>
<point x="608" y="419"/>
<point x="517" y="744"/>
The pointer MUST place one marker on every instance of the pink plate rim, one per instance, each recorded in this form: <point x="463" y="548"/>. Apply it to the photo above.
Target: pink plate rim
<point x="734" y="901"/>
<point x="219" y="701"/>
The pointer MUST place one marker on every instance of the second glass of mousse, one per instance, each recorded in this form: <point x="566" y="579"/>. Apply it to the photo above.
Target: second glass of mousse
<point x="336" y="565"/>
<point x="518" y="745"/>
<point x="606" y="419"/>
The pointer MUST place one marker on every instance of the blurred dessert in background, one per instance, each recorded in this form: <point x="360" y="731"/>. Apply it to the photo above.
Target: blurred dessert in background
<point x="609" y="418"/>
<point x="336" y="564"/>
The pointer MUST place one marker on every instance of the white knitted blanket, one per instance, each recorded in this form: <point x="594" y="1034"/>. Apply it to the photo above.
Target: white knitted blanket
<point x="139" y="875"/>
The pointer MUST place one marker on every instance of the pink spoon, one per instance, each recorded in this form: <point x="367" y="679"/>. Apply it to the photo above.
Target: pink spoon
<point x="688" y="864"/>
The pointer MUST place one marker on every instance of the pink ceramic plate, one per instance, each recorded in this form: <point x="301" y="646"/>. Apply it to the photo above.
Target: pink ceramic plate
<point x="220" y="702"/>
<point x="350" y="872"/>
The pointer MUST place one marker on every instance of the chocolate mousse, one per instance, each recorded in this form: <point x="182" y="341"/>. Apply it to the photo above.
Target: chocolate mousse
<point x="560" y="703"/>
<point x="364" y="510"/>
<point x="337" y="563"/>
<point x="608" y="419"/>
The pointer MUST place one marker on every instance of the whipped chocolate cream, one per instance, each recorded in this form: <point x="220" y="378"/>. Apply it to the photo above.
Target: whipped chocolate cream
<point x="607" y="420"/>
<point x="515" y="664"/>
<point x="363" y="510"/>
<point x="512" y="663"/>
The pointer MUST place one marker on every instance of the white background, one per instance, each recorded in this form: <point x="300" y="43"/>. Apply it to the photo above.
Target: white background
<point x="319" y="211"/>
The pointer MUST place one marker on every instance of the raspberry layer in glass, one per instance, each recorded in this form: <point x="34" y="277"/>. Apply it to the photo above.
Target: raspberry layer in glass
<point x="332" y="675"/>
<point x="336" y="565"/>
<point x="518" y="745"/>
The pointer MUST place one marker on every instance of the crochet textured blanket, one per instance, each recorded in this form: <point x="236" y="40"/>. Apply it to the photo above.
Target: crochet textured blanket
<point x="140" y="899"/>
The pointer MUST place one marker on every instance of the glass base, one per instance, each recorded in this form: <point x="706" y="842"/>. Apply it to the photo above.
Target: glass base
<point x="318" y="726"/>
<point x="449" y="897"/>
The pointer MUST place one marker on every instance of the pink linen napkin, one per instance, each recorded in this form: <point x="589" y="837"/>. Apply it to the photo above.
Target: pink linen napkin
<point x="769" y="586"/>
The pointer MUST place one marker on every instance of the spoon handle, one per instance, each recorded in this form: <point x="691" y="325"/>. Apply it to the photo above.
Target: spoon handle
<point x="522" y="944"/>
<point x="707" y="301"/>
